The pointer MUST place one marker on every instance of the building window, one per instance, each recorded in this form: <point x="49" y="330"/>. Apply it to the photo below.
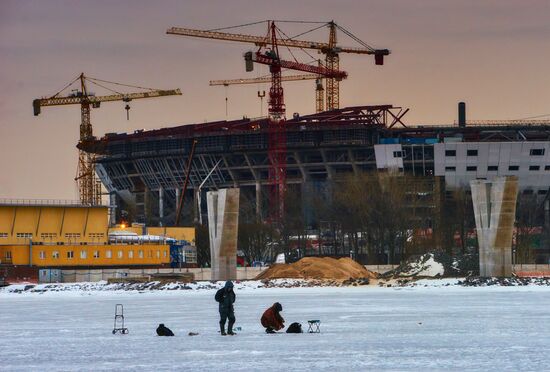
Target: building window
<point x="108" y="253"/>
<point x="471" y="168"/>
<point x="398" y="154"/>
<point x="542" y="192"/>
<point x="528" y="192"/>
<point x="471" y="152"/>
<point x="547" y="167"/>
<point x="492" y="168"/>
<point x="450" y="152"/>
<point x="8" y="255"/>
<point x="83" y="254"/>
<point x="534" y="167"/>
<point x="165" y="253"/>
<point x="158" y="254"/>
<point x="49" y="236"/>
<point x="450" y="169"/>
<point x="72" y="235"/>
<point x="24" y="235"/>
<point x="119" y="254"/>
<point x="140" y="253"/>
<point x="150" y="253"/>
<point x="130" y="254"/>
<point x="3" y="235"/>
<point x="536" y="152"/>
<point x="55" y="254"/>
<point x="513" y="168"/>
<point x="70" y="254"/>
<point x="42" y="255"/>
<point x="96" y="254"/>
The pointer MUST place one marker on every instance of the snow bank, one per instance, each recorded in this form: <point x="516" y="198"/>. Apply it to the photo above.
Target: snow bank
<point x="423" y="266"/>
<point x="173" y="286"/>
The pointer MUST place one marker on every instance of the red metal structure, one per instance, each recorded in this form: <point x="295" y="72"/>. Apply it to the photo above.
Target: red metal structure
<point x="277" y="131"/>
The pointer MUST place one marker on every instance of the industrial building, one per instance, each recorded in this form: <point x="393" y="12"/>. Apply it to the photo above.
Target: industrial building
<point x="144" y="171"/>
<point x="61" y="234"/>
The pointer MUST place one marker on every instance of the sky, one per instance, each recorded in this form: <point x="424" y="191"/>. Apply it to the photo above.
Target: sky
<point x="491" y="54"/>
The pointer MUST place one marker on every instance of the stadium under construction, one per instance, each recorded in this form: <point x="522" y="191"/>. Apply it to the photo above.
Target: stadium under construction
<point x="144" y="172"/>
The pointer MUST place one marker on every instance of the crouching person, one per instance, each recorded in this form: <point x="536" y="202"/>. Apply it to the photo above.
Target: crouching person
<point x="226" y="297"/>
<point x="272" y="319"/>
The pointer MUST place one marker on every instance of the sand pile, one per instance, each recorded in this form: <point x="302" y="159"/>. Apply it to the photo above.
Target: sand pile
<point x="318" y="268"/>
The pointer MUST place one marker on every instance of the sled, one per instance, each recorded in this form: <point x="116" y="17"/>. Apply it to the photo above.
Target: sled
<point x="119" y="320"/>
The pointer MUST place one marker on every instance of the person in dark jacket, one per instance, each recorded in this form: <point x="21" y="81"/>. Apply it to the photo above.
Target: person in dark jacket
<point x="272" y="319"/>
<point x="164" y="331"/>
<point x="226" y="297"/>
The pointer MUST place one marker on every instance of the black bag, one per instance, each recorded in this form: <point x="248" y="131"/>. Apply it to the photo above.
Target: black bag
<point x="219" y="295"/>
<point x="164" y="331"/>
<point x="294" y="328"/>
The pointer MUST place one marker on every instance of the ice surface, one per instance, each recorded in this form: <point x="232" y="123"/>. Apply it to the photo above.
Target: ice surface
<point x="363" y="328"/>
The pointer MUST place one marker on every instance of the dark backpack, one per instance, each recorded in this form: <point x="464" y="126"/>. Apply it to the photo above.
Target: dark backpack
<point x="219" y="295"/>
<point x="162" y="330"/>
<point x="294" y="328"/>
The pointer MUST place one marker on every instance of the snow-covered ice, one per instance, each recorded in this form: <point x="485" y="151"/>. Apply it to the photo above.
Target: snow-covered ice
<point x="363" y="328"/>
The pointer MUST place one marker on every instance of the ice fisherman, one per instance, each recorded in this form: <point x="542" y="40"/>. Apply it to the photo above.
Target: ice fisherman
<point x="226" y="297"/>
<point x="272" y="319"/>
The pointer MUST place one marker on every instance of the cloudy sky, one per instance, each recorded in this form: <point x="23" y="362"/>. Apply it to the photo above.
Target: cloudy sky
<point x="492" y="54"/>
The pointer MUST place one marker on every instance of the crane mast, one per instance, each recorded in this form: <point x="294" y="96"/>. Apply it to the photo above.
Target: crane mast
<point x="89" y="186"/>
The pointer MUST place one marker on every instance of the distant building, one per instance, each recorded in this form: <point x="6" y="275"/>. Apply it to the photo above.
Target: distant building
<point x="56" y="234"/>
<point x="144" y="172"/>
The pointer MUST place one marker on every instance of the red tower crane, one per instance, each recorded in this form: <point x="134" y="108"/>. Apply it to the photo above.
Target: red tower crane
<point x="270" y="57"/>
<point x="277" y="132"/>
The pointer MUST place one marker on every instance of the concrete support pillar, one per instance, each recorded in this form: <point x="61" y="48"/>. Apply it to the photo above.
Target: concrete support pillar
<point x="112" y="209"/>
<point x="161" y="206"/>
<point x="258" y="201"/>
<point x="178" y="193"/>
<point x="146" y="206"/>
<point x="495" y="212"/>
<point x="223" y="223"/>
<point x="197" y="205"/>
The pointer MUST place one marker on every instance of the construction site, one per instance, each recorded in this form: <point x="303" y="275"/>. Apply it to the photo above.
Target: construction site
<point x="155" y="181"/>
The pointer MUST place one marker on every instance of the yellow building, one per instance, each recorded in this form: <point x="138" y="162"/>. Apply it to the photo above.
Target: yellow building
<point x="54" y="234"/>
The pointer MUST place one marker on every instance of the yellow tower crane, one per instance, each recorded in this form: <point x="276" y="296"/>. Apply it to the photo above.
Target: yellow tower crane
<point x="89" y="187"/>
<point x="319" y="90"/>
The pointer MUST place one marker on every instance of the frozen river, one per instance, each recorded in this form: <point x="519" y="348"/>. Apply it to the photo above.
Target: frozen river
<point x="363" y="328"/>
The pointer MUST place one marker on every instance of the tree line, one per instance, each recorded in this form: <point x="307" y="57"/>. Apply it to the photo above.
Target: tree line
<point x="378" y="218"/>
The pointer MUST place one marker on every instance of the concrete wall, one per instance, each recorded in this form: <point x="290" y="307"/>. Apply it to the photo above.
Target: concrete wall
<point x="243" y="273"/>
<point x="95" y="275"/>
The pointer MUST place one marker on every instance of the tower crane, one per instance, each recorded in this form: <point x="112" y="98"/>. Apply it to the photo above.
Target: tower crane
<point x="319" y="90"/>
<point x="268" y="54"/>
<point x="89" y="186"/>
<point x="331" y="50"/>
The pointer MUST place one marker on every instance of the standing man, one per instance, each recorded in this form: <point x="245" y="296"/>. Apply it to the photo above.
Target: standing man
<point x="226" y="297"/>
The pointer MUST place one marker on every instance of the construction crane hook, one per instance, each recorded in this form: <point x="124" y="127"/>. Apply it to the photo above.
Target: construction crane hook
<point x="127" y="107"/>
